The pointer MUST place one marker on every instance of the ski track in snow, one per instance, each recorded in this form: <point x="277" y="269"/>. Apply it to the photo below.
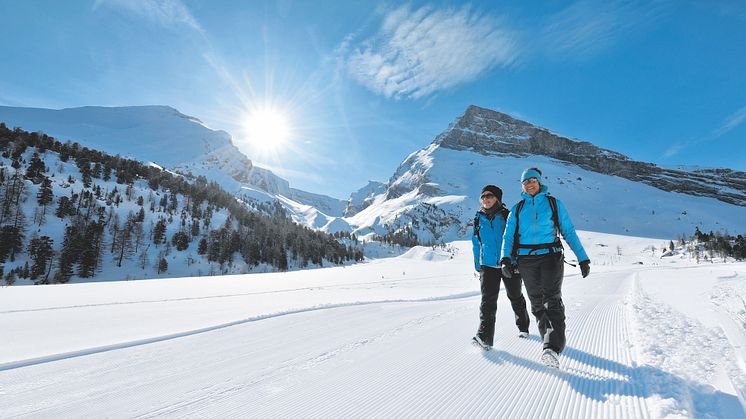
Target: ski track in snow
<point x="628" y="355"/>
<point x="123" y="345"/>
<point x="234" y="295"/>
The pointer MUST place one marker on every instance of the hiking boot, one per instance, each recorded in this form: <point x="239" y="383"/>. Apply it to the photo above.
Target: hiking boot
<point x="523" y="335"/>
<point x="550" y="358"/>
<point x="478" y="342"/>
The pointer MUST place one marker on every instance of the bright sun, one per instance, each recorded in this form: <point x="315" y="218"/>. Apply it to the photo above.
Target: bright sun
<point x="267" y="129"/>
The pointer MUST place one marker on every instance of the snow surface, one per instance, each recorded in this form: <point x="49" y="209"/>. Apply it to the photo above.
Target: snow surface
<point x="388" y="338"/>
<point x="158" y="133"/>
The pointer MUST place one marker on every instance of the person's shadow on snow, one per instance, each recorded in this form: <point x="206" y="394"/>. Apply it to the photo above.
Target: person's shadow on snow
<point x="640" y="381"/>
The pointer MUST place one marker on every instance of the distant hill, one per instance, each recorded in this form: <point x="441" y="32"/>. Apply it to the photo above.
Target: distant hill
<point x="69" y="212"/>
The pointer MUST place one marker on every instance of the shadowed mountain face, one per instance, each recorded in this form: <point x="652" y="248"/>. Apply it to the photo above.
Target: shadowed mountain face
<point x="489" y="132"/>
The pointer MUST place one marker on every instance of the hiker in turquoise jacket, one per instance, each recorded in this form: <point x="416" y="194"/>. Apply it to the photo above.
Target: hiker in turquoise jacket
<point x="531" y="243"/>
<point x="489" y="224"/>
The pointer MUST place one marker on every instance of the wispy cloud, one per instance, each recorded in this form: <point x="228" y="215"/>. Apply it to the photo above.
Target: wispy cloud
<point x="168" y="13"/>
<point x="586" y="27"/>
<point x="418" y="52"/>
<point x="730" y="123"/>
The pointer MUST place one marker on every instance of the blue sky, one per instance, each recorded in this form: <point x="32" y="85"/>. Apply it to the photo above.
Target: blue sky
<point x="363" y="84"/>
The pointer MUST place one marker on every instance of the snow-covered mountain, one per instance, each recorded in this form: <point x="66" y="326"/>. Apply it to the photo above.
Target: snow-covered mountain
<point x="363" y="197"/>
<point x="163" y="135"/>
<point x="70" y="213"/>
<point x="435" y="190"/>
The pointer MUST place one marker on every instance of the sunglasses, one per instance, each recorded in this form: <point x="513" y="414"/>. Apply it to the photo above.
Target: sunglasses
<point x="487" y="196"/>
<point x="529" y="180"/>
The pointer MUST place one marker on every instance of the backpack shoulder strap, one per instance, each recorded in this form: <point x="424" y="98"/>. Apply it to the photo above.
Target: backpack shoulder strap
<point x="555" y="213"/>
<point x="505" y="212"/>
<point x="518" y="208"/>
<point x="476" y="228"/>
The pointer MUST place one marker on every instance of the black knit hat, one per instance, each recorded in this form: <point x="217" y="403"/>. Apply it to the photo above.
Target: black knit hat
<point x="495" y="190"/>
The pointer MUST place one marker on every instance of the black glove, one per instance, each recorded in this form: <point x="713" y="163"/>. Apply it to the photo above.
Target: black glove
<point x="506" y="266"/>
<point x="585" y="268"/>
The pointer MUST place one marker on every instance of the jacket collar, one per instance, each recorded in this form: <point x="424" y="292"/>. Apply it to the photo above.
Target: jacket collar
<point x="543" y="190"/>
<point x="490" y="213"/>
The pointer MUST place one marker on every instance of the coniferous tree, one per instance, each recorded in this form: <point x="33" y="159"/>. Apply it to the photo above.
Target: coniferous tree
<point x="65" y="207"/>
<point x="35" y="169"/>
<point x="85" y="171"/>
<point x="40" y="251"/>
<point x="11" y="242"/>
<point x="124" y="244"/>
<point x="140" y="215"/>
<point x="283" y="262"/>
<point x="159" y="232"/>
<point x="45" y="195"/>
<point x="137" y="235"/>
<point x="68" y="255"/>
<point x="162" y="265"/>
<point x="180" y="240"/>
<point x="143" y="259"/>
<point x="202" y="248"/>
<point x="90" y="254"/>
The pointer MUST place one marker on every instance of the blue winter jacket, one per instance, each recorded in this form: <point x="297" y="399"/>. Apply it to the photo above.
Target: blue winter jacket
<point x="487" y="253"/>
<point x="536" y="227"/>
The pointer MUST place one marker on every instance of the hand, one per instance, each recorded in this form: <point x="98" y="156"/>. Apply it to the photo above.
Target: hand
<point x="585" y="268"/>
<point x="506" y="266"/>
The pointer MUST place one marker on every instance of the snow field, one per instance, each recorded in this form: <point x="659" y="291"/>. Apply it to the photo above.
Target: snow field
<point x="388" y="338"/>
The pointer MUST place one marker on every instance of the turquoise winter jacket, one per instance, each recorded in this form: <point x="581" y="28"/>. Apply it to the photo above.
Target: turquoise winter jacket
<point x="536" y="227"/>
<point x="487" y="253"/>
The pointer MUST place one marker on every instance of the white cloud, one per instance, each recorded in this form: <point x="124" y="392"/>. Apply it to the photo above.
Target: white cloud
<point x="419" y="52"/>
<point x="733" y="121"/>
<point x="586" y="27"/>
<point x="168" y="13"/>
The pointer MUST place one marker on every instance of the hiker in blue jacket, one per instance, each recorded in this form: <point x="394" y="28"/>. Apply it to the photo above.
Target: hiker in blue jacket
<point x="531" y="243"/>
<point x="489" y="224"/>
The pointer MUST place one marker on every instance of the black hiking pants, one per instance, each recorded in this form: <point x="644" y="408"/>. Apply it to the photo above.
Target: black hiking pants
<point x="489" y="279"/>
<point x="543" y="276"/>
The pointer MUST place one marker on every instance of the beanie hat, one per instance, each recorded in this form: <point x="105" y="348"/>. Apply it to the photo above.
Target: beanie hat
<point x="531" y="172"/>
<point x="495" y="190"/>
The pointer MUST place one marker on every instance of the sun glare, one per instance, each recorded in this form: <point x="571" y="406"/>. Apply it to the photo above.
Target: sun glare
<point x="267" y="130"/>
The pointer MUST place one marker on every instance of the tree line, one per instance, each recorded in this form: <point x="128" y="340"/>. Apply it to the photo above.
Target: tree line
<point x="722" y="244"/>
<point x="98" y="232"/>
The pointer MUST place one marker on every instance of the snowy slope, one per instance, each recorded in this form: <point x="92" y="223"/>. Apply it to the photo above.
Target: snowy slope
<point x="148" y="133"/>
<point x="383" y="339"/>
<point x="163" y="135"/>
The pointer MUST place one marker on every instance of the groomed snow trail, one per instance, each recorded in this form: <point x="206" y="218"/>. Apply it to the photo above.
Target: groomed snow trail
<point x="380" y="360"/>
<point x="390" y="338"/>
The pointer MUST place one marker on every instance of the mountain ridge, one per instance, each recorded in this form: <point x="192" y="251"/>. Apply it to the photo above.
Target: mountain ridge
<point x="500" y="133"/>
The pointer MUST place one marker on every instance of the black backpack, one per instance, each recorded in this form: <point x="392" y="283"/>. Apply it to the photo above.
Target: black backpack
<point x="555" y="218"/>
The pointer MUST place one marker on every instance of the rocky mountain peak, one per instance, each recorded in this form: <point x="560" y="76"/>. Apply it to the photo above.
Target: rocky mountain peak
<point x="492" y="133"/>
